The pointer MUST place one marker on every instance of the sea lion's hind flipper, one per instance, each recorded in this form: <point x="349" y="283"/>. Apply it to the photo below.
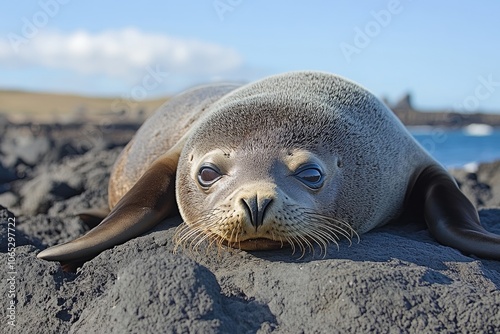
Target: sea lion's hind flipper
<point x="451" y="217"/>
<point x="93" y="217"/>
<point x="147" y="203"/>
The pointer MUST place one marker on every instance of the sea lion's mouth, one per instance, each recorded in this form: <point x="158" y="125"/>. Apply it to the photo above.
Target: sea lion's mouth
<point x="257" y="244"/>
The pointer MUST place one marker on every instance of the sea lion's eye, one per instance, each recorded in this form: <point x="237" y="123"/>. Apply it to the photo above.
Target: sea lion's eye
<point x="208" y="175"/>
<point x="311" y="176"/>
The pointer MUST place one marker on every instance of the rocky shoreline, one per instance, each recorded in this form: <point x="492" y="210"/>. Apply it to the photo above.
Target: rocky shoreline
<point x="396" y="278"/>
<point x="410" y="116"/>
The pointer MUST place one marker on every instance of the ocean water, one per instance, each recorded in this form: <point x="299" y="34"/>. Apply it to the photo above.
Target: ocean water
<point x="457" y="148"/>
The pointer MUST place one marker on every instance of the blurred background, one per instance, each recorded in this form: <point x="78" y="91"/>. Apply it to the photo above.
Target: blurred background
<point x="438" y="51"/>
<point x="436" y="64"/>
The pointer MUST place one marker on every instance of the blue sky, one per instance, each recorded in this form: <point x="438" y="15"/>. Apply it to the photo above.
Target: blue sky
<point x="446" y="53"/>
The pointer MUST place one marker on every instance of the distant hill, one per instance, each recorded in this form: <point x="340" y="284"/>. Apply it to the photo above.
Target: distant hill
<point x="21" y="106"/>
<point x="445" y="118"/>
<point x="48" y="107"/>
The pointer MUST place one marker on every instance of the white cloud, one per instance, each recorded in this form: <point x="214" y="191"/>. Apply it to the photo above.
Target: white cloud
<point x="121" y="54"/>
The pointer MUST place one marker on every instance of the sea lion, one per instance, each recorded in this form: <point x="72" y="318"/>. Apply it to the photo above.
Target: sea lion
<point x="298" y="159"/>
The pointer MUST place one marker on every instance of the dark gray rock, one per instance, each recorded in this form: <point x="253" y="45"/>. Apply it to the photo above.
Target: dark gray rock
<point x="489" y="173"/>
<point x="9" y="200"/>
<point x="9" y="228"/>
<point x="187" y="299"/>
<point x="41" y="192"/>
<point x="69" y="178"/>
<point x="6" y="175"/>
<point x="23" y="148"/>
<point x="482" y="187"/>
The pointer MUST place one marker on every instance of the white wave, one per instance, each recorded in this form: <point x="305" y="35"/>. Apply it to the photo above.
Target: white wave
<point x="476" y="129"/>
<point x="471" y="167"/>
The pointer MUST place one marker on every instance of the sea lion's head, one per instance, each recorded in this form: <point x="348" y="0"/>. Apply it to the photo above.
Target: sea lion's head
<point x="260" y="173"/>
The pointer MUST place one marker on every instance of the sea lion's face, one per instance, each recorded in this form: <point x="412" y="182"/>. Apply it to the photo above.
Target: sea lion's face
<point x="258" y="193"/>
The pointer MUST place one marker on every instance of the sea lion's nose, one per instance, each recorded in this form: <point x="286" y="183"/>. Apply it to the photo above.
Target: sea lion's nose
<point x="256" y="208"/>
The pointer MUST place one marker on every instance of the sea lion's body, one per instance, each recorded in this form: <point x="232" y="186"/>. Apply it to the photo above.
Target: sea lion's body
<point x="378" y="152"/>
<point x="301" y="158"/>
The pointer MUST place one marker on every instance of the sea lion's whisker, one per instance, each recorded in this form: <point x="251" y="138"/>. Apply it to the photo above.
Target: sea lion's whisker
<point x="308" y="231"/>
<point x="337" y="225"/>
<point x="323" y="231"/>
<point x="292" y="244"/>
<point x="203" y="237"/>
<point x="217" y="241"/>
<point x="196" y="232"/>
<point x="323" y="239"/>
<point x="273" y="236"/>
<point x="302" y="248"/>
<point x="320" y="239"/>
<point x="309" y="245"/>
<point x="184" y="231"/>
<point x="235" y="232"/>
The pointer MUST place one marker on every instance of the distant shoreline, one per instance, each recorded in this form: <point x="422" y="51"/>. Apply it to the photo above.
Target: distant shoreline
<point x="411" y="117"/>
<point x="22" y="106"/>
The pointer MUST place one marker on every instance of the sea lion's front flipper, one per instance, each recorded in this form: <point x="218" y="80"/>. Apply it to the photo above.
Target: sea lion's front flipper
<point x="93" y="217"/>
<point x="451" y="217"/>
<point x="148" y="202"/>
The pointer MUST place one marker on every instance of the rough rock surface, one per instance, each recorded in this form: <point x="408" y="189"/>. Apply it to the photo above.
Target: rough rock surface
<point x="482" y="187"/>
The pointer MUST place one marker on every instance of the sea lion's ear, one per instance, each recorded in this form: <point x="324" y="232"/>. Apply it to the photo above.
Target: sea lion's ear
<point x="451" y="217"/>
<point x="148" y="202"/>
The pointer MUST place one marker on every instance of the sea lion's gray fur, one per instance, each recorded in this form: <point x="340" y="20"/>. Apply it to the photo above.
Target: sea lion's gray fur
<point x="371" y="170"/>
